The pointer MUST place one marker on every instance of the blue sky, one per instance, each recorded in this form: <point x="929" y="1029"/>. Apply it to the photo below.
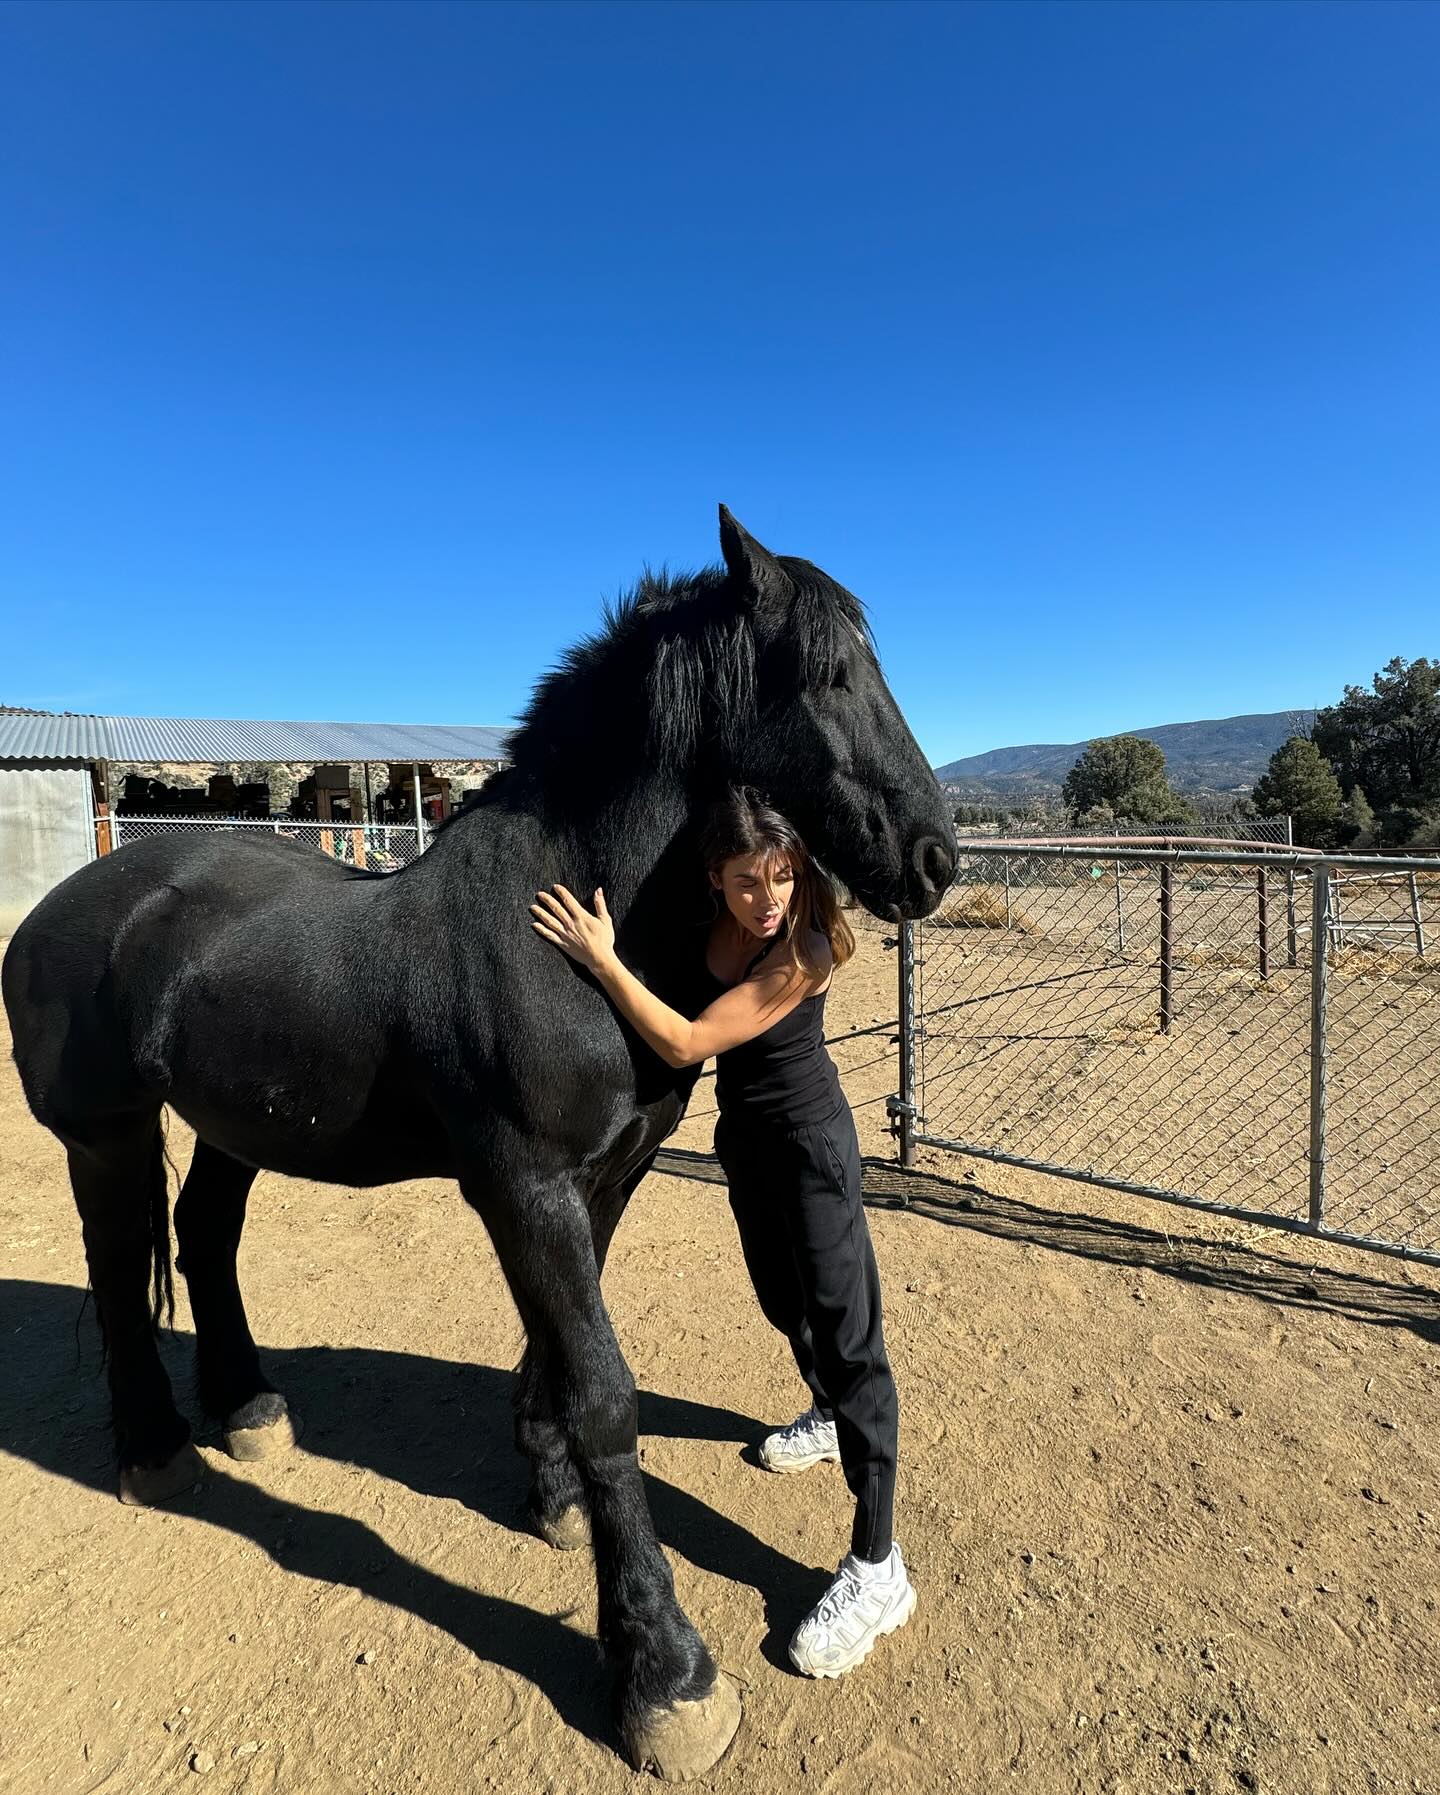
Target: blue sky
<point x="351" y="354"/>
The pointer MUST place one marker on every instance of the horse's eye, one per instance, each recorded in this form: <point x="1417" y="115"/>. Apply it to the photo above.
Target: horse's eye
<point x="840" y="678"/>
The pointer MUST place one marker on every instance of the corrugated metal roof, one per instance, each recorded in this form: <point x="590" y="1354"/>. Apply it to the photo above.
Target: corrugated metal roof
<point x="208" y="740"/>
<point x="32" y="735"/>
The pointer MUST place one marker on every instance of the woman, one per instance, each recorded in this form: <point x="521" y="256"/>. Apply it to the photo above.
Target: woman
<point x="787" y="1142"/>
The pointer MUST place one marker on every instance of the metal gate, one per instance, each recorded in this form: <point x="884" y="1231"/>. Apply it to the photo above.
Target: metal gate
<point x="1256" y="1034"/>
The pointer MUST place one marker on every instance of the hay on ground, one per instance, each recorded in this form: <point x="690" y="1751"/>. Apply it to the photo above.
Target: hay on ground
<point x="983" y="907"/>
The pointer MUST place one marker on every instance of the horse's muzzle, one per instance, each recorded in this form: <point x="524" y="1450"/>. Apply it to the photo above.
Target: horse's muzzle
<point x="932" y="865"/>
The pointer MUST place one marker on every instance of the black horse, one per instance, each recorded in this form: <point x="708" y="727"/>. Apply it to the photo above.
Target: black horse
<point x="361" y="1028"/>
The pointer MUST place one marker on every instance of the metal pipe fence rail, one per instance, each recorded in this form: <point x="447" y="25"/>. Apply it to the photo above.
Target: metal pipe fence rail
<point x="377" y="847"/>
<point x="1253" y="1033"/>
<point x="1277" y="829"/>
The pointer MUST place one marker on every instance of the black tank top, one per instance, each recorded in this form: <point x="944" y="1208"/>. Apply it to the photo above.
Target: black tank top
<point x="784" y="1076"/>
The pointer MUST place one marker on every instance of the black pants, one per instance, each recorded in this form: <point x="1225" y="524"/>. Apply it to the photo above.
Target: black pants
<point x="796" y="1197"/>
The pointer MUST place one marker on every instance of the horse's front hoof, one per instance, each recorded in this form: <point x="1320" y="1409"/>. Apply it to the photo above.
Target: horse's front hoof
<point x="568" y="1532"/>
<point x="146" y="1486"/>
<point x="686" y="1739"/>
<point x="262" y="1429"/>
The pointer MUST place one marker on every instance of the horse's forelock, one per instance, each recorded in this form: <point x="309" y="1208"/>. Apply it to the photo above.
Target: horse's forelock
<point x="824" y="623"/>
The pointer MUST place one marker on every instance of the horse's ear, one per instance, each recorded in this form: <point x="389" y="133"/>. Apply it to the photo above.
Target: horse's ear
<point x="754" y="571"/>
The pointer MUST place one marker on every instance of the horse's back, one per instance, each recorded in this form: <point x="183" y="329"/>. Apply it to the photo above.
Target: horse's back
<point x="322" y="1023"/>
<point x="91" y="968"/>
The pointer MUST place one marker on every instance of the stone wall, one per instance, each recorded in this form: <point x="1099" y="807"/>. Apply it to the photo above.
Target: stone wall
<point x="284" y="780"/>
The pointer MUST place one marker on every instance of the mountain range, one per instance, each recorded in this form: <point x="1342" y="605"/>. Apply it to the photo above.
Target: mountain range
<point x="1222" y="754"/>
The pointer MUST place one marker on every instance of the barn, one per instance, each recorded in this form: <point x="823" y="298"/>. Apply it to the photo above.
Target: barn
<point x="72" y="787"/>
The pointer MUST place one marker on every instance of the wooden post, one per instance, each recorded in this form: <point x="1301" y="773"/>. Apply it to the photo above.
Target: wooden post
<point x="1167" y="947"/>
<point x="419" y="814"/>
<point x="1262" y="897"/>
<point x="1005" y="862"/>
<point x="367" y="817"/>
<point x="1119" y="911"/>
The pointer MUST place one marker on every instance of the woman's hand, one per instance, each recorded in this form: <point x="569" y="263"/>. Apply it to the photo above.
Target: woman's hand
<point x="561" y="918"/>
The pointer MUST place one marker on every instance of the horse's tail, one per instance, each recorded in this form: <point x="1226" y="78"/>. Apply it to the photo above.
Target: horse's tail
<point x="162" y="1280"/>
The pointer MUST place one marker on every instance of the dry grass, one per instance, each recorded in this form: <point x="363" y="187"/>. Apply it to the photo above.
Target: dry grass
<point x="1379" y="963"/>
<point x="983" y="907"/>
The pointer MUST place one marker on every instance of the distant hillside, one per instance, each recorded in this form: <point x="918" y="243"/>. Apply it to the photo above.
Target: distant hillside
<point x="1221" y="754"/>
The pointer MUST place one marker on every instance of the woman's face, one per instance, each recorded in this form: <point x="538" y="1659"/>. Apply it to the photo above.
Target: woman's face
<point x="757" y="890"/>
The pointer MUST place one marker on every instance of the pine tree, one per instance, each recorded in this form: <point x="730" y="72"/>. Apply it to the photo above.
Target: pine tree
<point x="1299" y="784"/>
<point x="1388" y="738"/>
<point x="1358" y="819"/>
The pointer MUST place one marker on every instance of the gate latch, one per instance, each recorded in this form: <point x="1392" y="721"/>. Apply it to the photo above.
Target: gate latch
<point x="895" y="1108"/>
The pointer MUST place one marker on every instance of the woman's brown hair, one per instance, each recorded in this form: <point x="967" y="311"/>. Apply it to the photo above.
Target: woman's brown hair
<point x="743" y="823"/>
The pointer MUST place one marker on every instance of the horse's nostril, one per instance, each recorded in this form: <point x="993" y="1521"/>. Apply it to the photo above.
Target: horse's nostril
<point x="934" y="862"/>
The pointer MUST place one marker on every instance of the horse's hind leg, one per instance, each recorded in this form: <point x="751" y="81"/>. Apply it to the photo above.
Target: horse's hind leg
<point x="209" y="1217"/>
<point x="121" y="1193"/>
<point x="557" y="1496"/>
<point x="676" y="1712"/>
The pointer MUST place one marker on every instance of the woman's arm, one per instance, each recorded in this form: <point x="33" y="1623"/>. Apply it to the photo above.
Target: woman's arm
<point x="747" y="1010"/>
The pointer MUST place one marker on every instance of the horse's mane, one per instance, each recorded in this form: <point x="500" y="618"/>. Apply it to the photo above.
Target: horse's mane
<point x="693" y="649"/>
<point x="697" y="650"/>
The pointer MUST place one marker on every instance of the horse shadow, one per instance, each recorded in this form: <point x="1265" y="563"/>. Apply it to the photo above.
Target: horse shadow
<point x="440" y="1428"/>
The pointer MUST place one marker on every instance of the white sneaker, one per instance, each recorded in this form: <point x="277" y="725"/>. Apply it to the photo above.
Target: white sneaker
<point x="808" y="1441"/>
<point x="863" y="1604"/>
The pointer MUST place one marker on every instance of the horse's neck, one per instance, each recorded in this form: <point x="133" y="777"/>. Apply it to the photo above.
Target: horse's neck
<point x="639" y="849"/>
<point x="636" y="842"/>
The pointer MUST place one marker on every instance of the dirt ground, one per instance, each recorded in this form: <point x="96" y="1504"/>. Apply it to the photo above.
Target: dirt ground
<point x="1168" y="1496"/>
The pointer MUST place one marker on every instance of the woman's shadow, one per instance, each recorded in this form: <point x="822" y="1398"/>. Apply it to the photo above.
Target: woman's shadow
<point x="437" y="1427"/>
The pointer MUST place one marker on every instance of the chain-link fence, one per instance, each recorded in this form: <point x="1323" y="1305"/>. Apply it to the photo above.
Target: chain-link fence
<point x="377" y="847"/>
<point x="1247" y="1032"/>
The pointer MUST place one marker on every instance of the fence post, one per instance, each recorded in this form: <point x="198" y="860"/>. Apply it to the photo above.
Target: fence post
<point x="1320" y="877"/>
<point x="1005" y="862"/>
<point x="1167" y="946"/>
<point x="906" y="1116"/>
<point x="419" y="816"/>
<point x="1262" y="898"/>
<point x="1292" y="944"/>
<point x="1415" y="911"/>
<point x="1119" y="911"/>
